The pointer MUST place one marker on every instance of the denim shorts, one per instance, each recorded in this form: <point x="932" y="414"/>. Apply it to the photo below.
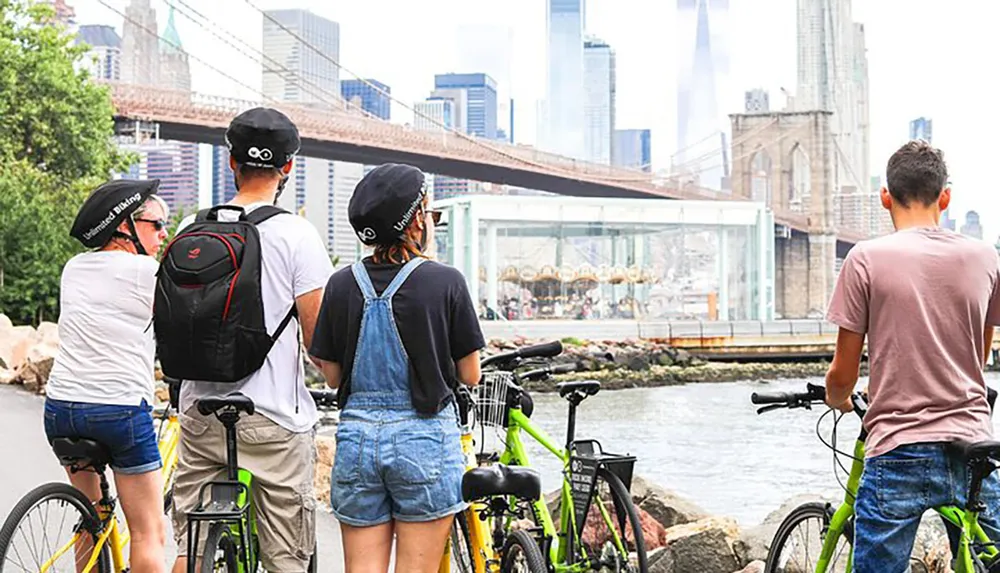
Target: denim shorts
<point x="897" y="488"/>
<point x="127" y="431"/>
<point x="396" y="464"/>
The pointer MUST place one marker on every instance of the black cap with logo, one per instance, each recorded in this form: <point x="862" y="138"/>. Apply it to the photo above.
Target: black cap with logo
<point x="109" y="206"/>
<point x="385" y="201"/>
<point x="262" y="137"/>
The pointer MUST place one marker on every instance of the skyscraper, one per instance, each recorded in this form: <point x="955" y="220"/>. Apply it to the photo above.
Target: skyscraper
<point x="223" y="184"/>
<point x="479" y="108"/>
<point x="489" y="48"/>
<point x="631" y="148"/>
<point x="175" y="73"/>
<point x="365" y="95"/>
<point x="757" y="101"/>
<point x="175" y="164"/>
<point x="599" y="102"/>
<point x="563" y="116"/>
<point x="104" y="58"/>
<point x="972" y="227"/>
<point x="140" y="48"/>
<point x="434" y="114"/>
<point x="833" y="76"/>
<point x="308" y="46"/>
<point x="64" y="13"/>
<point x="922" y="128"/>
<point x="312" y="78"/>
<point x="703" y="71"/>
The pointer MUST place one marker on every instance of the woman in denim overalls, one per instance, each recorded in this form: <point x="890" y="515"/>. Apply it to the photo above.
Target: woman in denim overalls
<point x="399" y="464"/>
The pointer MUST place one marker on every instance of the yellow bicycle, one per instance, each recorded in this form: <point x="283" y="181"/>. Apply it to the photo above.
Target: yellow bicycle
<point x="32" y="540"/>
<point x="469" y="548"/>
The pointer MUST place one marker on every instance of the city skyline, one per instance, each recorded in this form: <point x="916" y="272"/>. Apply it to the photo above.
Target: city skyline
<point x="763" y="55"/>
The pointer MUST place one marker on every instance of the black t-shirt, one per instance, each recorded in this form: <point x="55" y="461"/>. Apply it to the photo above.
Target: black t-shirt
<point x="435" y="318"/>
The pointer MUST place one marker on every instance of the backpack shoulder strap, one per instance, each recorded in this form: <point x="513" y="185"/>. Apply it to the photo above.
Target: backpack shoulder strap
<point x="292" y="313"/>
<point x="263" y="213"/>
<point x="202" y="215"/>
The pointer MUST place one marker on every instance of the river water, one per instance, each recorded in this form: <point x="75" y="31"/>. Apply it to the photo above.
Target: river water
<point x="707" y="443"/>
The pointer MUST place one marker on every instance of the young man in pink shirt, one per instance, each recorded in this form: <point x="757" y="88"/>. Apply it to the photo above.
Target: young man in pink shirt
<point x="927" y="299"/>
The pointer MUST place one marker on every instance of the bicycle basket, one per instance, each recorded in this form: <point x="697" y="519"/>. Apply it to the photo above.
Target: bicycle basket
<point x="491" y="399"/>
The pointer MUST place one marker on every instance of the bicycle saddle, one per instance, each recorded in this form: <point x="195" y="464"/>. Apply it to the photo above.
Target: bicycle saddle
<point x="585" y="387"/>
<point x="977" y="450"/>
<point x="81" y="452"/>
<point x="499" y="479"/>
<point x="237" y="401"/>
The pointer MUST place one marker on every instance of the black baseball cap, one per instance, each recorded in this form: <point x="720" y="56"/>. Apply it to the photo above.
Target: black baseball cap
<point x="262" y="137"/>
<point x="109" y="206"/>
<point x="385" y="201"/>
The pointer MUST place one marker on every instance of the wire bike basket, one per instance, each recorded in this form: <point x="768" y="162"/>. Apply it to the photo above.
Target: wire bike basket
<point x="491" y="406"/>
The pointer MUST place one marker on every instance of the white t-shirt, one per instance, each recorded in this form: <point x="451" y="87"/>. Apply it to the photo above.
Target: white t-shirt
<point x="106" y="343"/>
<point x="294" y="262"/>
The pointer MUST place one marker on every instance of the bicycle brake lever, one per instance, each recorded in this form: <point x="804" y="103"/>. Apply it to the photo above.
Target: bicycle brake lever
<point x="769" y="407"/>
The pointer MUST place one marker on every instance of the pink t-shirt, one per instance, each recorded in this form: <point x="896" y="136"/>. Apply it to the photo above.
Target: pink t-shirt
<point x="923" y="296"/>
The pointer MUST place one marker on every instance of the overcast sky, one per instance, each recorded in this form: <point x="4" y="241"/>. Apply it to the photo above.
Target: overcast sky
<point x="932" y="58"/>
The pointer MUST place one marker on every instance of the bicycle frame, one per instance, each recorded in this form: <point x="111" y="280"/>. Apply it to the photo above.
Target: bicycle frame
<point x="966" y="521"/>
<point x="559" y="550"/>
<point x="117" y="536"/>
<point x="479" y="535"/>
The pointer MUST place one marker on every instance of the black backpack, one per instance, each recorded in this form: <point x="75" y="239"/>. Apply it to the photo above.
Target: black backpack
<point x="208" y="313"/>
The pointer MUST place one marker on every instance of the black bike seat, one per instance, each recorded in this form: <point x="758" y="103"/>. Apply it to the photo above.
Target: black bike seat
<point x="585" y="387"/>
<point x="81" y="452"/>
<point x="977" y="450"/>
<point x="499" y="479"/>
<point x="237" y="401"/>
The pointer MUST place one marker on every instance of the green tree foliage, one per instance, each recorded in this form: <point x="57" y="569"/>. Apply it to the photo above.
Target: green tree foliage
<point x="56" y="146"/>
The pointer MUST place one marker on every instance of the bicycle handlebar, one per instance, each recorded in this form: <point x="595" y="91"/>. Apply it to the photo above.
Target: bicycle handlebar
<point x="325" y="399"/>
<point x="544" y="350"/>
<point x="814" y="394"/>
<point x="546" y="371"/>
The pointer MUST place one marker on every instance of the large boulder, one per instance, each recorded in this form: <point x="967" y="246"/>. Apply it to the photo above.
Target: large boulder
<point x="48" y="332"/>
<point x="754" y="542"/>
<point x="663" y="505"/>
<point x="753" y="567"/>
<point x="705" y="546"/>
<point x="326" y="446"/>
<point x="15" y="342"/>
<point x="596" y="533"/>
<point x="35" y="369"/>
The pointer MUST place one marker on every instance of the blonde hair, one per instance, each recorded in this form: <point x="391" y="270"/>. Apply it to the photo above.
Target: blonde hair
<point x="148" y="203"/>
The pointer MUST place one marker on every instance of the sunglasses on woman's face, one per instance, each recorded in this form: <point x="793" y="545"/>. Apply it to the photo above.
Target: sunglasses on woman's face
<point x="158" y="224"/>
<point x="435" y="216"/>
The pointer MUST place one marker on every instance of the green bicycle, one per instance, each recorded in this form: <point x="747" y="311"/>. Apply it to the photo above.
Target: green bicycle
<point x="833" y="535"/>
<point x="228" y="511"/>
<point x="582" y="540"/>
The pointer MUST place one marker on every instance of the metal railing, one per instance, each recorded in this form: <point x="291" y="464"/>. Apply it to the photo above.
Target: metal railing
<point x="656" y="329"/>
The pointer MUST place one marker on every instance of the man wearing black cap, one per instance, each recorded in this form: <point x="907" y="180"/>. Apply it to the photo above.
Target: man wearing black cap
<point x="277" y="442"/>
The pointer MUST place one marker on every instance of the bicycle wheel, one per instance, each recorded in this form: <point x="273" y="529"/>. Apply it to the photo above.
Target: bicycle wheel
<point x="220" y="553"/>
<point x="461" y="546"/>
<point x="521" y="554"/>
<point x="30" y="536"/>
<point x="799" y="540"/>
<point x="624" y="520"/>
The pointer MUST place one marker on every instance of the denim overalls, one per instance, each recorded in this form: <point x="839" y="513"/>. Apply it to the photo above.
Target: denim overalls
<point x="391" y="462"/>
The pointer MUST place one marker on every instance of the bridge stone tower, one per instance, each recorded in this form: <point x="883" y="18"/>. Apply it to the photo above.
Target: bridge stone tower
<point x="786" y="160"/>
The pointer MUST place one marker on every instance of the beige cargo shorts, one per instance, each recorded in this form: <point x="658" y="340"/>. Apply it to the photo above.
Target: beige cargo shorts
<point x="283" y="465"/>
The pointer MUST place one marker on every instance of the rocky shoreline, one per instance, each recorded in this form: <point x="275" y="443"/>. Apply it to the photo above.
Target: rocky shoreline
<point x="649" y="364"/>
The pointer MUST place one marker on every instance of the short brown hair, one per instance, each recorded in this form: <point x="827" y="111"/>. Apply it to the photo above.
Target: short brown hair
<point x="916" y="172"/>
